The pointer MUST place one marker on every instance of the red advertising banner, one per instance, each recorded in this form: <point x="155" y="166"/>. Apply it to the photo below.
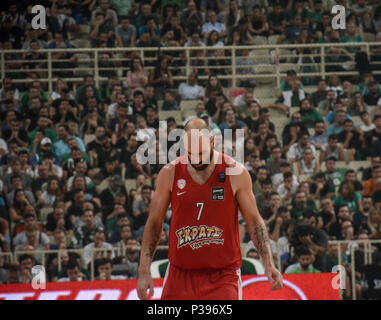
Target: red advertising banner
<point x="296" y="287"/>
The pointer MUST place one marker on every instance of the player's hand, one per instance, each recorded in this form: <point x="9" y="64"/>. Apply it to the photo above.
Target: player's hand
<point x="275" y="278"/>
<point x="144" y="282"/>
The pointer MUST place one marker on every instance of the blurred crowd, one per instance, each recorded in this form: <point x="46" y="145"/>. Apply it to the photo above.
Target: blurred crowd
<point x="67" y="157"/>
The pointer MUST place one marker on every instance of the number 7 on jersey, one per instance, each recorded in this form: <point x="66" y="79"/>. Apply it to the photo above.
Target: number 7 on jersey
<point x="201" y="205"/>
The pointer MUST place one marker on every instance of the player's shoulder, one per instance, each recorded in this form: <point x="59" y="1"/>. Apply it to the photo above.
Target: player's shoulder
<point x="168" y="170"/>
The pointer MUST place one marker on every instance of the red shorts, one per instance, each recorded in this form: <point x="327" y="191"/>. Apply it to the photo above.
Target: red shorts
<point x="220" y="284"/>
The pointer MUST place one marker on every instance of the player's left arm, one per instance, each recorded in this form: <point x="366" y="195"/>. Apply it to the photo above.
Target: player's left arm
<point x="256" y="227"/>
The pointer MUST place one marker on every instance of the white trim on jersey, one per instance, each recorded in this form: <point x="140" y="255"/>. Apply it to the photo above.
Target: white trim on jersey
<point x="238" y="271"/>
<point x="166" y="276"/>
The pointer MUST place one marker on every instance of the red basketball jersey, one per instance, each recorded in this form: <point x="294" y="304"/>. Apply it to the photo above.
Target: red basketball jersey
<point x="204" y="225"/>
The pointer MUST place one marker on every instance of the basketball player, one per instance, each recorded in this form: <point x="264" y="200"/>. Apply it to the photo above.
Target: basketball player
<point x="204" y="248"/>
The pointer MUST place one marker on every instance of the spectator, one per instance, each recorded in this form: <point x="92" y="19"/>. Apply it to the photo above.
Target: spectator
<point x="292" y="97"/>
<point x="337" y="175"/>
<point x="304" y="264"/>
<point x="296" y="151"/>
<point x="191" y="90"/>
<point x="288" y="187"/>
<point x="140" y="209"/>
<point x="357" y="105"/>
<point x="349" y="197"/>
<point x="132" y="257"/>
<point x="374" y="95"/>
<point x="319" y="95"/>
<point x="331" y="257"/>
<point x="151" y="28"/>
<point x="373" y="184"/>
<point x="293" y="30"/>
<point x="308" y="165"/>
<point x="233" y="16"/>
<point x="258" y="25"/>
<point x="136" y="78"/>
<point x="92" y="249"/>
<point x="213" y="24"/>
<point x="52" y="193"/>
<point x="230" y="121"/>
<point x="161" y="78"/>
<point x="191" y="19"/>
<point x="105" y="270"/>
<point x="309" y="115"/>
<point x="338" y="125"/>
<point x="73" y="273"/>
<point x="87" y="81"/>
<point x="277" y="20"/>
<point x="125" y="33"/>
<point x="367" y="123"/>
<point x="300" y="204"/>
<point x="169" y="102"/>
<point x="332" y="149"/>
<point x="109" y="14"/>
<point x="144" y="13"/>
<point x="319" y="139"/>
<point x="26" y="262"/>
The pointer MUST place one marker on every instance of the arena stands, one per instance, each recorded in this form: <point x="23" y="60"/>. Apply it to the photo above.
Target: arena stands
<point x="79" y="98"/>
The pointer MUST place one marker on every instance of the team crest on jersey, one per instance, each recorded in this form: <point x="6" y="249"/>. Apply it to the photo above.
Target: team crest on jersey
<point x="198" y="236"/>
<point x="181" y="183"/>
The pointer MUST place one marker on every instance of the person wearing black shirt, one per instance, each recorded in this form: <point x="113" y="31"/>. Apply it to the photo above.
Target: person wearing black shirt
<point x="350" y="138"/>
<point x="374" y="95"/>
<point x="16" y="133"/>
<point x="152" y="116"/>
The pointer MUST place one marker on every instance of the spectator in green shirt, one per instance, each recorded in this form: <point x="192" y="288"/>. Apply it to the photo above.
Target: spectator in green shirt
<point x="122" y="7"/>
<point x="351" y="36"/>
<point x="316" y="15"/>
<point x="44" y="126"/>
<point x="348" y="197"/>
<point x="299" y="204"/>
<point x="331" y="258"/>
<point x="85" y="234"/>
<point x="309" y="116"/>
<point x="304" y="264"/>
<point x="285" y="84"/>
<point x="337" y="175"/>
<point x="87" y="81"/>
<point x="33" y="92"/>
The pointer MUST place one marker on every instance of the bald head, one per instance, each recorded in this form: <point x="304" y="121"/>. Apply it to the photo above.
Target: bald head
<point x="198" y="143"/>
<point x="196" y="124"/>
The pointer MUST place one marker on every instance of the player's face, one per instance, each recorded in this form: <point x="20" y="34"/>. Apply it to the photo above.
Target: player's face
<point x="200" y="149"/>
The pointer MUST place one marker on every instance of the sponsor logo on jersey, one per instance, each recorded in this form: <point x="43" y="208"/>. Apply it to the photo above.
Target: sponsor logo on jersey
<point x="198" y="236"/>
<point x="218" y="193"/>
<point x="181" y="183"/>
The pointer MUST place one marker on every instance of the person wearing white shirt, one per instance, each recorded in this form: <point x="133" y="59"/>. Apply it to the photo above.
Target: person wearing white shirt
<point x="367" y="123"/>
<point x="213" y="24"/>
<point x="296" y="151"/>
<point x="287" y="189"/>
<point x="191" y="90"/>
<point x="99" y="243"/>
<point x="144" y="132"/>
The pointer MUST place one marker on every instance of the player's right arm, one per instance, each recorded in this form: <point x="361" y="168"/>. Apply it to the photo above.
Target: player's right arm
<point x="153" y="228"/>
